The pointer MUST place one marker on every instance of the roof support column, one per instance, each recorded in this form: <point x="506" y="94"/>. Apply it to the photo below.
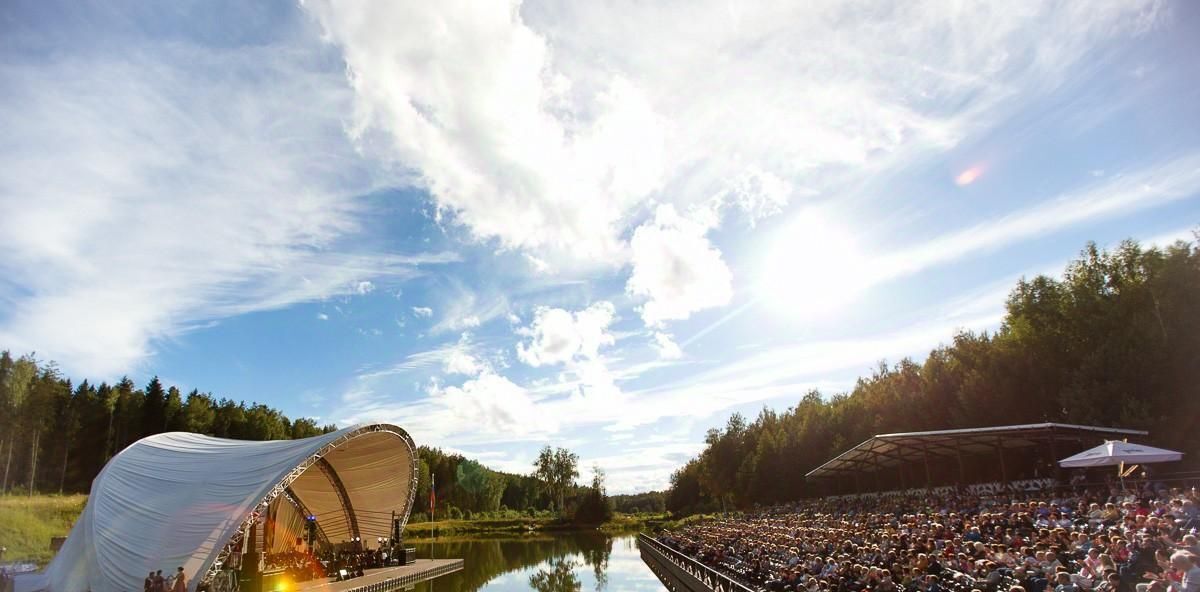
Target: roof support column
<point x="1003" y="469"/>
<point x="962" y="471"/>
<point x="878" y="471"/>
<point x="928" y="478"/>
<point x="1055" y="470"/>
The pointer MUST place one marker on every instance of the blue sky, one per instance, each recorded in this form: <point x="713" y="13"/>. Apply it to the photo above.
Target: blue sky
<point x="598" y="225"/>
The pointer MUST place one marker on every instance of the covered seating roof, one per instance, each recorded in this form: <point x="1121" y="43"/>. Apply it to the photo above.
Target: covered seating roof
<point x="178" y="499"/>
<point x="888" y="450"/>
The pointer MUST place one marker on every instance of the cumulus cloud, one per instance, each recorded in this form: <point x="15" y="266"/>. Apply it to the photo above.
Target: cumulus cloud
<point x="364" y="287"/>
<point x="461" y="359"/>
<point x="676" y="268"/>
<point x="547" y="126"/>
<point x="666" y="346"/>
<point x="422" y="311"/>
<point x="492" y="404"/>
<point x="322" y="316"/>
<point x="466" y="96"/>
<point x="559" y="336"/>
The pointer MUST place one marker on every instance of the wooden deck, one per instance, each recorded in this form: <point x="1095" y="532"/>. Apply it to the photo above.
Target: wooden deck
<point x="386" y="578"/>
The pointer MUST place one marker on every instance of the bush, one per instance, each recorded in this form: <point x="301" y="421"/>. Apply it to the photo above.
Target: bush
<point x="593" y="508"/>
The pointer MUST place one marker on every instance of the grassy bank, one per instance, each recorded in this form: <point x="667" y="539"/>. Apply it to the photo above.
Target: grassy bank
<point x="27" y="523"/>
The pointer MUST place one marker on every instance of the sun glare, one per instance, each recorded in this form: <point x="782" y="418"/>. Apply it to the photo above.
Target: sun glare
<point x="811" y="267"/>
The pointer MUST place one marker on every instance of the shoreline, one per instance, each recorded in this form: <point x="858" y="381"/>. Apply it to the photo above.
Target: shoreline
<point x="521" y="526"/>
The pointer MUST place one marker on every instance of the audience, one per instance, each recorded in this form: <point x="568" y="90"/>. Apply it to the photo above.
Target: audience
<point x="978" y="539"/>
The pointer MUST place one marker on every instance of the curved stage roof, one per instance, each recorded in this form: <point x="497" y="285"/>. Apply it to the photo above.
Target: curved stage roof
<point x="177" y="499"/>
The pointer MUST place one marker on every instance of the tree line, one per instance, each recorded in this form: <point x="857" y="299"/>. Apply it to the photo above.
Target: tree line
<point x="56" y="436"/>
<point x="467" y="489"/>
<point x="1115" y="342"/>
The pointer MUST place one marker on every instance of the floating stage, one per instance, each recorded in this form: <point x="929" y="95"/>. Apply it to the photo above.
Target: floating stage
<point x="386" y="578"/>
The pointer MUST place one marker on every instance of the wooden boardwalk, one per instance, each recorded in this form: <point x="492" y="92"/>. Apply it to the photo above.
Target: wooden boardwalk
<point x="386" y="578"/>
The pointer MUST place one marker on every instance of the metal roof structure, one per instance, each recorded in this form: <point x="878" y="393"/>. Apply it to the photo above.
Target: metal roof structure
<point x="188" y="500"/>
<point x="890" y="450"/>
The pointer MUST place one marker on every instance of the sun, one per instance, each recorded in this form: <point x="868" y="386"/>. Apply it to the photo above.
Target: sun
<point x="811" y="267"/>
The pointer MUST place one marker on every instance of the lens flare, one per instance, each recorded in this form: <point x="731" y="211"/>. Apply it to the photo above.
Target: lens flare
<point x="969" y="176"/>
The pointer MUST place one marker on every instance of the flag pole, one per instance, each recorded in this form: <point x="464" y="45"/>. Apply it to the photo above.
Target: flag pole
<point x="432" y="503"/>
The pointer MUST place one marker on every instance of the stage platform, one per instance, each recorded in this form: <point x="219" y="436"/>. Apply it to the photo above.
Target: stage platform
<point x="386" y="578"/>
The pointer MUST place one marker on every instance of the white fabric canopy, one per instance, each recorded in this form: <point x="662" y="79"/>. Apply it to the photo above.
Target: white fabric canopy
<point x="176" y="499"/>
<point x="1115" y="452"/>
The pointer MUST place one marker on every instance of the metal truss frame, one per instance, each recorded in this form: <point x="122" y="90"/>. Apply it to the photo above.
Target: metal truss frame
<point x="281" y="487"/>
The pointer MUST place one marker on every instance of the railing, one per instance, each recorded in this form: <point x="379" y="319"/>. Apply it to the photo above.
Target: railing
<point x="410" y="579"/>
<point x="683" y="573"/>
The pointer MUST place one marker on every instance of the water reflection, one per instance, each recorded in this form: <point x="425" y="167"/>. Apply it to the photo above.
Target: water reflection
<point x="560" y="577"/>
<point x="568" y="562"/>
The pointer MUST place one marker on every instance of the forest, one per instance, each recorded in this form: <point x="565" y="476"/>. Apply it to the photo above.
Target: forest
<point x="55" y="437"/>
<point x="1115" y="342"/>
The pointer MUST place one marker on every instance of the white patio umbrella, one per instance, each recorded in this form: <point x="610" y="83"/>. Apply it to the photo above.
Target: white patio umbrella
<point x="1115" y="452"/>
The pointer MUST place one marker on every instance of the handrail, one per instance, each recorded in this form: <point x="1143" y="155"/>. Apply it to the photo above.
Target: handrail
<point x="710" y="577"/>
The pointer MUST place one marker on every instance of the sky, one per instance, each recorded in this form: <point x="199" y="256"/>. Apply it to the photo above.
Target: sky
<point x="599" y="225"/>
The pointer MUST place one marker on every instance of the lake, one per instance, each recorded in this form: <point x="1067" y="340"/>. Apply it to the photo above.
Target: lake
<point x="559" y="562"/>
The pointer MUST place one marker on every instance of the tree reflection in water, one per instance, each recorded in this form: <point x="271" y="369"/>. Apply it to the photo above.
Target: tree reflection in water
<point x="559" y="577"/>
<point x="555" y="557"/>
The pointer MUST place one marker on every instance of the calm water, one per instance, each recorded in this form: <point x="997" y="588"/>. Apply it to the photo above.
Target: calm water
<point x="585" y="561"/>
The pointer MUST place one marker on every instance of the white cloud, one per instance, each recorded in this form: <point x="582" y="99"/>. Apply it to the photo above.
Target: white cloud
<point x="465" y="95"/>
<point x="464" y="309"/>
<point x="364" y="287"/>
<point x="547" y="126"/>
<point x="322" y="316"/>
<point x="666" y="346"/>
<point x="492" y="404"/>
<point x="558" y="336"/>
<point x="676" y="268"/>
<point x="1166" y="239"/>
<point x="149" y="191"/>
<point x="1108" y="196"/>
<point x="487" y="408"/>
<point x="462" y="362"/>
<point x="422" y="311"/>
<point x="539" y="265"/>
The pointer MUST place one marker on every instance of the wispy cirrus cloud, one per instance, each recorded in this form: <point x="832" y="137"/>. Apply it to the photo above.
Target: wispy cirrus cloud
<point x="149" y="189"/>
<point x="1141" y="188"/>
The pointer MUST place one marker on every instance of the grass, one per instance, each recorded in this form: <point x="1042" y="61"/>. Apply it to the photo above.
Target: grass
<point x="27" y="523"/>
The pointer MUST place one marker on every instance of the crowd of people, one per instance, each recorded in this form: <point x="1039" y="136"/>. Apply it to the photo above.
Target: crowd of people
<point x="1105" y="539"/>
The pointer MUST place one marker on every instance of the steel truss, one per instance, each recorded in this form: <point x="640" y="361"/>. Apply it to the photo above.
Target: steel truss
<point x="280" y="488"/>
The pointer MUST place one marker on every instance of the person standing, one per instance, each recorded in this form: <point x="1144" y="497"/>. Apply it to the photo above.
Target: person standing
<point x="148" y="585"/>
<point x="159" y="584"/>
<point x="179" y="584"/>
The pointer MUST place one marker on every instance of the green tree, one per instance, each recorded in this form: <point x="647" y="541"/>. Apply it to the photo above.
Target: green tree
<point x="557" y="469"/>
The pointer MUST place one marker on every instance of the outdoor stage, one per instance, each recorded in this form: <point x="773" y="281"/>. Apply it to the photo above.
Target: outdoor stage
<point x="387" y="578"/>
